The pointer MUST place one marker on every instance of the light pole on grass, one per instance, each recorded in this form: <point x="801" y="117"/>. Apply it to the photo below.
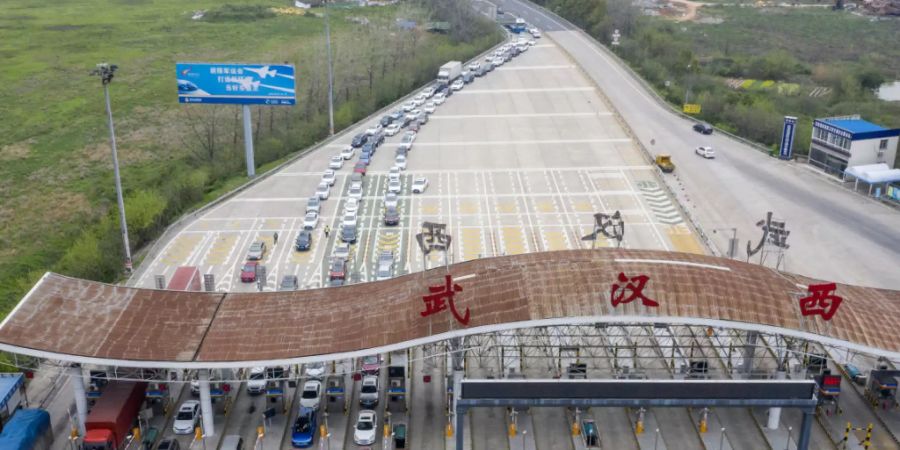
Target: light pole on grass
<point x="330" y="73"/>
<point x="106" y="72"/>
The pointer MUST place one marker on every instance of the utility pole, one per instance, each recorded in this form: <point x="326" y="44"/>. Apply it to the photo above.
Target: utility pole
<point x="106" y="72"/>
<point x="330" y="74"/>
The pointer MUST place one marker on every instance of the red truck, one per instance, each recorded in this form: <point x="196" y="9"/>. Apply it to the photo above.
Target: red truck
<point x="186" y="278"/>
<point x="113" y="416"/>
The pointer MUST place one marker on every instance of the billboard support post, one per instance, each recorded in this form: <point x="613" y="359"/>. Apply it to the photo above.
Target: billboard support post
<point x="248" y="143"/>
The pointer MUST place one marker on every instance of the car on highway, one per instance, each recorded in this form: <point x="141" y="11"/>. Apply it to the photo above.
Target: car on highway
<point x="341" y="250"/>
<point x="336" y="162"/>
<point x="187" y="417"/>
<point x="348" y="234"/>
<point x="329" y="176"/>
<point x="289" y="283"/>
<point x="408" y="106"/>
<point x="386" y="120"/>
<point x="429" y="107"/>
<point x="337" y="282"/>
<point x="394" y="173"/>
<point x="391" y="200"/>
<point x="414" y="126"/>
<point x="419" y="185"/>
<point x="248" y="271"/>
<point x="377" y="139"/>
<point x="419" y="99"/>
<point x="395" y="115"/>
<point x="315" y="370"/>
<point x="304" y="428"/>
<point x="422" y="119"/>
<point x="392" y="129"/>
<point x="428" y="92"/>
<point x="368" y="392"/>
<point x="355" y="192"/>
<point x="400" y="162"/>
<point x="351" y="205"/>
<point x="312" y="393"/>
<point x="364" y="430"/>
<point x="468" y="77"/>
<point x="314" y="204"/>
<point x="360" y="168"/>
<point x="168" y="444"/>
<point x="391" y="216"/>
<point x="310" y="221"/>
<point x="385" y="268"/>
<point x="705" y="151"/>
<point x="371" y="364"/>
<point x="337" y="269"/>
<point x="359" y="140"/>
<point x="257" y="251"/>
<point x="488" y="64"/>
<point x="457" y="85"/>
<point x="347" y="152"/>
<point x="349" y="219"/>
<point x="256" y="383"/>
<point x="369" y="148"/>
<point x="395" y="186"/>
<point x="535" y="32"/>
<point x="365" y="157"/>
<point x="703" y="128"/>
<point x="401" y="151"/>
<point x="323" y="190"/>
<point x="474" y="66"/>
<point x="439" y="99"/>
<point x="414" y="114"/>
<point x="356" y="179"/>
<point x="303" y="241"/>
<point x="408" y="138"/>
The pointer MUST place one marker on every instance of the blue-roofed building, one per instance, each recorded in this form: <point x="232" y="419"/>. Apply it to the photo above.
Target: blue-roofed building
<point x="11" y="385"/>
<point x="842" y="142"/>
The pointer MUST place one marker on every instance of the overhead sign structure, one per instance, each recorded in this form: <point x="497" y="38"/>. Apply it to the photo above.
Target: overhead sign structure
<point x="786" y="151"/>
<point x="242" y="84"/>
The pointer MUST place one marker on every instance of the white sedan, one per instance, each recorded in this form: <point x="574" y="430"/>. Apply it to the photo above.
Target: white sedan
<point x="323" y="190"/>
<point x="349" y="219"/>
<point x="438" y="99"/>
<point x="419" y="185"/>
<point x="429" y="107"/>
<point x="413" y="114"/>
<point x="408" y="106"/>
<point x="428" y="92"/>
<point x="347" y="152"/>
<point x="336" y="162"/>
<point x="400" y="162"/>
<point x="355" y="192"/>
<point x="373" y="129"/>
<point x="310" y="221"/>
<point x="457" y="85"/>
<point x="391" y="199"/>
<point x="392" y="129"/>
<point x="364" y="431"/>
<point x="351" y="205"/>
<point x="395" y="186"/>
<point x="328" y="177"/>
<point x="706" y="152"/>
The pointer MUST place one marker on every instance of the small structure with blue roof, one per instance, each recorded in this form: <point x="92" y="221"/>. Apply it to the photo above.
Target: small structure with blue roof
<point x="841" y="142"/>
<point x="11" y="397"/>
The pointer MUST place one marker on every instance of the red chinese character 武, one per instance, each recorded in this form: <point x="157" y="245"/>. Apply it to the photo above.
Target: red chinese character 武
<point x="634" y="288"/>
<point x="821" y="301"/>
<point x="440" y="297"/>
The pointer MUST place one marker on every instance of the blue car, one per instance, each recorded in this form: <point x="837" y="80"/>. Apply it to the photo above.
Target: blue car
<point x="304" y="428"/>
<point x="365" y="157"/>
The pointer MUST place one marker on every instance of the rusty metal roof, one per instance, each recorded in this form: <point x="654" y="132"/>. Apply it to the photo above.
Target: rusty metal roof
<point x="86" y="321"/>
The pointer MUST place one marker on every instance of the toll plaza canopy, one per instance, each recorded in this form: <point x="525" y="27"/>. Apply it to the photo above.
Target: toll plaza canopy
<point x="89" y="322"/>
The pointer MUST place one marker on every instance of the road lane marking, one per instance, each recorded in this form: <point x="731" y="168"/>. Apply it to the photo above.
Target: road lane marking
<point x="525" y="90"/>
<point x="528" y="142"/>
<point x="520" y="115"/>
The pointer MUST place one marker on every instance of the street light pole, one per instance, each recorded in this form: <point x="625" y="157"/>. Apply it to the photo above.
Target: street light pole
<point x="330" y="74"/>
<point x="106" y="72"/>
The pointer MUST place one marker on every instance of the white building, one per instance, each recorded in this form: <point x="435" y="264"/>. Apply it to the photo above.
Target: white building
<point x="842" y="142"/>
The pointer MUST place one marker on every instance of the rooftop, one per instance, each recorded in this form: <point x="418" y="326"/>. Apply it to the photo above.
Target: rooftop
<point x="855" y="125"/>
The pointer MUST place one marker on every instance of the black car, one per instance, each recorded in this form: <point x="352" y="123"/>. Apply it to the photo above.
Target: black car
<point x="703" y="128"/>
<point x="368" y="148"/>
<point x="401" y="151"/>
<point x="391" y="216"/>
<point x="348" y="234"/>
<point x="396" y="115"/>
<point x="377" y="138"/>
<point x="304" y="241"/>
<point x="359" y="140"/>
<point x="442" y="89"/>
<point x="386" y="120"/>
<point x="405" y="121"/>
<point x="468" y="78"/>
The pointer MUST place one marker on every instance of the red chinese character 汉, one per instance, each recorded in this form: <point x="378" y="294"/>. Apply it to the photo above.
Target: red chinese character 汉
<point x="635" y="285"/>
<point x="440" y="297"/>
<point x="821" y="301"/>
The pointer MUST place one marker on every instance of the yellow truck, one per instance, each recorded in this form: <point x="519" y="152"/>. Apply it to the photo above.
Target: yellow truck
<point x="665" y="163"/>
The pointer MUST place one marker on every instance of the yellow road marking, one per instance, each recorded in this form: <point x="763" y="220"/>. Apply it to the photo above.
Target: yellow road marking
<point x="181" y="249"/>
<point x="684" y="241"/>
<point x="556" y="240"/>
<point x="466" y="207"/>
<point x="583" y="206"/>
<point x="429" y="209"/>
<point x="506" y="207"/>
<point x="546" y="207"/>
<point x="471" y="243"/>
<point x="513" y="240"/>
<point x="220" y="249"/>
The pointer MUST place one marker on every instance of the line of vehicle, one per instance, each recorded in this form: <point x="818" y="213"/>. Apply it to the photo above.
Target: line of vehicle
<point x="519" y="115"/>
<point x="610" y="169"/>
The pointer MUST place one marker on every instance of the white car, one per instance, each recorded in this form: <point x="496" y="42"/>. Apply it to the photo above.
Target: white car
<point x="392" y="129"/>
<point x="328" y="177"/>
<point x="535" y="32"/>
<point x="428" y="92"/>
<point x="256" y="384"/>
<point x="314" y="204"/>
<point x="531" y="42"/>
<point x="373" y="129"/>
<point x="474" y="67"/>
<point x="408" y="138"/>
<point x="364" y="431"/>
<point x="310" y="221"/>
<point x="413" y="114"/>
<point x="351" y="205"/>
<point x="408" y="106"/>
<point x="438" y="99"/>
<point x="347" y="152"/>
<point x="419" y="185"/>
<point x="187" y="417"/>
<point x="391" y="199"/>
<point x="429" y="107"/>
<point x="349" y="219"/>
<point x="355" y="192"/>
<point x="457" y="85"/>
<point x="706" y="152"/>
<point x="394" y="174"/>
<point x="315" y="370"/>
<point x="336" y="162"/>
<point x="419" y="99"/>
<point x="341" y="250"/>
<point x="400" y="162"/>
<point x="323" y="190"/>
<point x="312" y="392"/>
<point x="395" y="186"/>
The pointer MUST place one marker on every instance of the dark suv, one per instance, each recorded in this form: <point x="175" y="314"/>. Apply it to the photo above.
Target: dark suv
<point x="391" y="216"/>
<point x="703" y="128"/>
<point x="348" y="234"/>
<point x="304" y="241"/>
<point x="359" y="140"/>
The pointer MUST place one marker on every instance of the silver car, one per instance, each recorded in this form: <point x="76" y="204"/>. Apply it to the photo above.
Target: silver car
<point x="314" y="204"/>
<point x="187" y="417"/>
<point x="257" y="251"/>
<point x="395" y="186"/>
<point x="391" y="199"/>
<point x="385" y="269"/>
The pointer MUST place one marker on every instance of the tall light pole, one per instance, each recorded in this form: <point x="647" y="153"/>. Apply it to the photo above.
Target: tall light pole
<point x="330" y="74"/>
<point x="106" y="72"/>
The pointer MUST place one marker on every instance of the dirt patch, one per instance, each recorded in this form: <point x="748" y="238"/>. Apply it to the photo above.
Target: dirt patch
<point x="19" y="150"/>
<point x="682" y="10"/>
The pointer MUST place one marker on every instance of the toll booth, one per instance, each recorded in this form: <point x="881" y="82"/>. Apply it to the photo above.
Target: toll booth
<point x="335" y="391"/>
<point x="881" y="388"/>
<point x="698" y="369"/>
<point x="577" y="371"/>
<point x="829" y="389"/>
<point x="816" y="363"/>
<point x="396" y="390"/>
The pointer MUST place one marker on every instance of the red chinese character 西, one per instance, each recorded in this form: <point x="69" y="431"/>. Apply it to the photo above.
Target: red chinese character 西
<point x="821" y="301"/>
<point x="633" y="289"/>
<point x="440" y="297"/>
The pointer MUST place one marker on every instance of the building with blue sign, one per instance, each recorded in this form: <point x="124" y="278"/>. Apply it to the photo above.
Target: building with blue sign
<point x="841" y="142"/>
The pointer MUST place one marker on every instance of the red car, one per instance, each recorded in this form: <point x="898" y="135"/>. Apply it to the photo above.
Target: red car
<point x="371" y="364"/>
<point x="248" y="271"/>
<point x="360" y="168"/>
<point x="338" y="270"/>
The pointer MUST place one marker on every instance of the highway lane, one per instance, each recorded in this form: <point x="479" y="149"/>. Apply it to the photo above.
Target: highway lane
<point x="837" y="235"/>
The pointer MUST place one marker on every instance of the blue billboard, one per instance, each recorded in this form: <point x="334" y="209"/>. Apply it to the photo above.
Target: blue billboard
<point x="786" y="151"/>
<point x="243" y="84"/>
